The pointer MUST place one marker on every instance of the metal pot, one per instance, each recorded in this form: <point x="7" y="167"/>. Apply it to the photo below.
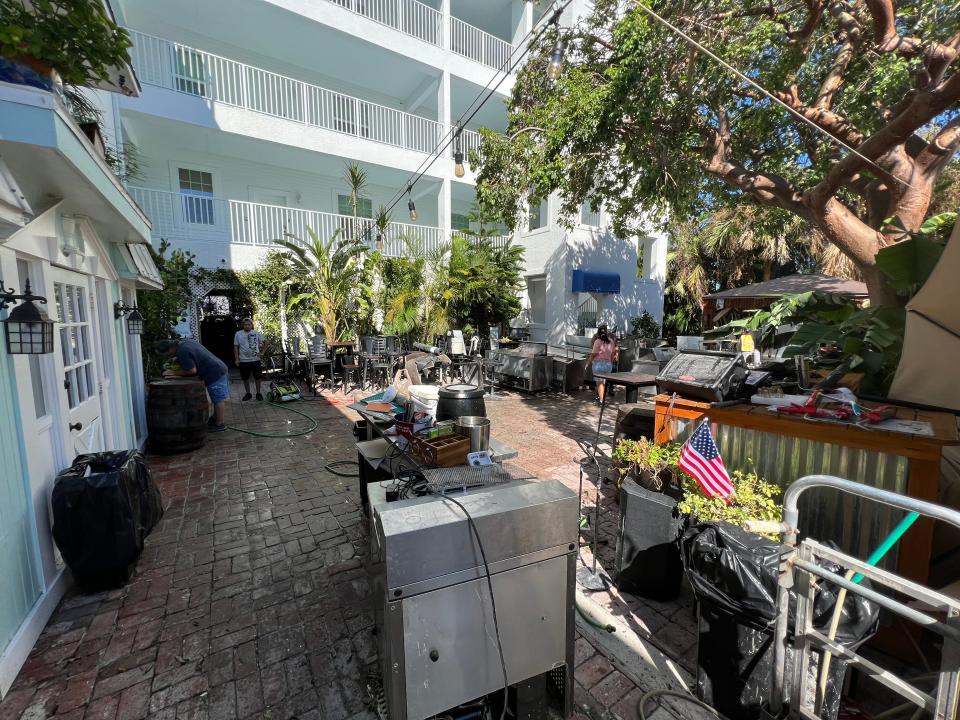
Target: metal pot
<point x="477" y="429"/>
<point x="460" y="400"/>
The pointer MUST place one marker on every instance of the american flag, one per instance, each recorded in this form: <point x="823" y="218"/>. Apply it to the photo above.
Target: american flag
<point x="701" y="459"/>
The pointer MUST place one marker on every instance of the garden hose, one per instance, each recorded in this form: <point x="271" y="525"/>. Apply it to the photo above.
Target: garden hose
<point x="590" y="621"/>
<point x="671" y="693"/>
<point x="329" y="467"/>
<point x="876" y="556"/>
<point x="313" y="425"/>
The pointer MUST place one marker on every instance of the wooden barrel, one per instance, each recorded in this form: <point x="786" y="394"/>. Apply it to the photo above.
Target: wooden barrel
<point x="177" y="414"/>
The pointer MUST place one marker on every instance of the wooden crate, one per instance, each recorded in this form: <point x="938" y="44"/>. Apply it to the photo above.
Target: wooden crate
<point x="442" y="451"/>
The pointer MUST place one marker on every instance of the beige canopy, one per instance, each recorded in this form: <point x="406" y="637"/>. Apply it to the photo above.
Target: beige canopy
<point x="929" y="371"/>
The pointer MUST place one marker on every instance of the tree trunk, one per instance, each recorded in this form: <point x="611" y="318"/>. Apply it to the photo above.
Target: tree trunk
<point x="878" y="288"/>
<point x="767" y="270"/>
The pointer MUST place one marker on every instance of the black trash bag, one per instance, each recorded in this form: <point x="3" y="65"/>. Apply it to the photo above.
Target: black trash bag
<point x="104" y="506"/>
<point x="734" y="576"/>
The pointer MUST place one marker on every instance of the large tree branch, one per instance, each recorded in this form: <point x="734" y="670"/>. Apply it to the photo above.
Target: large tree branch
<point x="942" y="147"/>
<point x="835" y="76"/>
<point x="938" y="56"/>
<point x="838" y="126"/>
<point x="924" y="106"/>
<point x="766" y="188"/>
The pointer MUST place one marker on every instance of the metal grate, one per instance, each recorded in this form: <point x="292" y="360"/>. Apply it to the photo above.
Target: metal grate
<point x="443" y="480"/>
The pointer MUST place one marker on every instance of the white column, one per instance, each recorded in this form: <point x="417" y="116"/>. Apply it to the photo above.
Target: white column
<point x="445" y="24"/>
<point x="522" y="18"/>
<point x="444" y="199"/>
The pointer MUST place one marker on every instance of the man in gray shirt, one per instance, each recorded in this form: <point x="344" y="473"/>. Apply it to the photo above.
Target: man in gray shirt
<point x="249" y="345"/>
<point x="195" y="359"/>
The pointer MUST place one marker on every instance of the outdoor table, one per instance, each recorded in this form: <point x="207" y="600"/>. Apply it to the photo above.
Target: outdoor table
<point x="631" y="381"/>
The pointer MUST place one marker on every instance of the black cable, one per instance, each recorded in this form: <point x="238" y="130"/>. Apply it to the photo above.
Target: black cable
<point x="451" y="133"/>
<point x="493" y="602"/>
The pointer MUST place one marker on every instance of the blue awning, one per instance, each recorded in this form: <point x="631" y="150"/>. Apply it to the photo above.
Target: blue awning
<point x="595" y="281"/>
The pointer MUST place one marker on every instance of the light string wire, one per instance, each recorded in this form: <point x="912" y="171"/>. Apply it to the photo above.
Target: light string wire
<point x="454" y="130"/>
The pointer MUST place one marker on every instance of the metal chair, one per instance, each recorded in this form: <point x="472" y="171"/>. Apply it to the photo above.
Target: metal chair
<point x="377" y="363"/>
<point x="320" y="359"/>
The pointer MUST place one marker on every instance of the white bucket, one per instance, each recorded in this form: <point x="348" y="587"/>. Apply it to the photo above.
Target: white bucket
<point x="425" y="398"/>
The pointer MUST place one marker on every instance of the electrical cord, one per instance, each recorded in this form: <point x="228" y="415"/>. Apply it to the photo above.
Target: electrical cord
<point x="493" y="602"/>
<point x="671" y="693"/>
<point x="450" y="135"/>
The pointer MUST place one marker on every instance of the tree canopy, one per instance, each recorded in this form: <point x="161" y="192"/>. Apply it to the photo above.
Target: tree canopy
<point x="640" y="119"/>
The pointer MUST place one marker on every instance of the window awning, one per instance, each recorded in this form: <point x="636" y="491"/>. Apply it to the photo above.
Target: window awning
<point x="595" y="281"/>
<point x="140" y="265"/>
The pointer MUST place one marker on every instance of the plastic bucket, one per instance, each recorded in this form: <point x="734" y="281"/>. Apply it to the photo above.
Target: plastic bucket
<point x="425" y="398"/>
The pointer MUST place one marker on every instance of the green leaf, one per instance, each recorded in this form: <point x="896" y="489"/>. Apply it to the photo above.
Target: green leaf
<point x="908" y="263"/>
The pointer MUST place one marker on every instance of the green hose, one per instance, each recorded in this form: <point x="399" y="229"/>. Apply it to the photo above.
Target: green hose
<point x="329" y="467"/>
<point x="892" y="539"/>
<point x="313" y="425"/>
<point x="590" y="621"/>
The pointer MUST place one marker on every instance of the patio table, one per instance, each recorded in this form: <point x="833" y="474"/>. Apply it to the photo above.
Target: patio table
<point x="631" y="381"/>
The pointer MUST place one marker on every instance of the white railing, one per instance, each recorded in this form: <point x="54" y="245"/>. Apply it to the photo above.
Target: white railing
<point x="408" y="16"/>
<point x="474" y="43"/>
<point x="469" y="140"/>
<point x="195" y="72"/>
<point x="184" y="218"/>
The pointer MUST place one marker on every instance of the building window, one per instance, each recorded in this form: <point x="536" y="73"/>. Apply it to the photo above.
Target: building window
<point x="589" y="216"/>
<point x="30" y="271"/>
<point x="189" y="74"/>
<point x="539" y="217"/>
<point x="459" y="222"/>
<point x="79" y="378"/>
<point x="364" y="206"/>
<point x="196" y="189"/>
<point x="642" y="253"/>
<point x="537" y="299"/>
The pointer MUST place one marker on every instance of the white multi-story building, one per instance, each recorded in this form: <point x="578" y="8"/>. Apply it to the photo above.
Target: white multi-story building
<point x="251" y="109"/>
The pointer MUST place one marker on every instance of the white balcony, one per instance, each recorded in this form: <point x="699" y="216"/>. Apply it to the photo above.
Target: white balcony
<point x="187" y="219"/>
<point x="197" y="73"/>
<point x="188" y="70"/>
<point x="424" y="22"/>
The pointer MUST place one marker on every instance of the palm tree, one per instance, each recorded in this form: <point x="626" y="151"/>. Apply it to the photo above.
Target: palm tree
<point x="331" y="268"/>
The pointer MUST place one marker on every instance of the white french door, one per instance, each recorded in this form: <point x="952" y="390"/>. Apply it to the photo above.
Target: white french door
<point x="77" y="363"/>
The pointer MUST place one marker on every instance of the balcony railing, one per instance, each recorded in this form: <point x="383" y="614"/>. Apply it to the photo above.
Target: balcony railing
<point x="422" y="21"/>
<point x="408" y="16"/>
<point x="195" y="72"/>
<point x="185" y="218"/>
<point x="474" y="43"/>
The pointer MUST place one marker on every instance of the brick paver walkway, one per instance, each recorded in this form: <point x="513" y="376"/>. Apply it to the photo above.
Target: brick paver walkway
<point x="251" y="599"/>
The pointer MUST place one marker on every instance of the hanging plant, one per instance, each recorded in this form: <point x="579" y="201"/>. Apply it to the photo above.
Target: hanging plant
<point x="77" y="38"/>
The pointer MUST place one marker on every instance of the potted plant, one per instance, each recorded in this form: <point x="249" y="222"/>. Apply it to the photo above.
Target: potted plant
<point x="76" y="38"/>
<point x="651" y="466"/>
<point x="648" y="561"/>
<point x="753" y="499"/>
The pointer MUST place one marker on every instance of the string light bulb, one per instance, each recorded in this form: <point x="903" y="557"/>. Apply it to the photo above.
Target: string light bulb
<point x="410" y="206"/>
<point x="458" y="155"/>
<point x="555" y="66"/>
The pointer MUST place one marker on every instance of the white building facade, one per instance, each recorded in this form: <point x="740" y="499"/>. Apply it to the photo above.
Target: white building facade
<point x="251" y="109"/>
<point x="71" y="230"/>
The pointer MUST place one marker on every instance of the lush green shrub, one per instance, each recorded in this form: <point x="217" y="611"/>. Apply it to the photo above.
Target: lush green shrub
<point x="75" y="37"/>
<point x="645" y="326"/>
<point x="643" y="457"/>
<point x="754" y="499"/>
<point x="163" y="309"/>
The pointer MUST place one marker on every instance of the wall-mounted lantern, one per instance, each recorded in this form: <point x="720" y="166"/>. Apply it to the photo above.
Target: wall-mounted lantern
<point x="134" y="319"/>
<point x="29" y="330"/>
